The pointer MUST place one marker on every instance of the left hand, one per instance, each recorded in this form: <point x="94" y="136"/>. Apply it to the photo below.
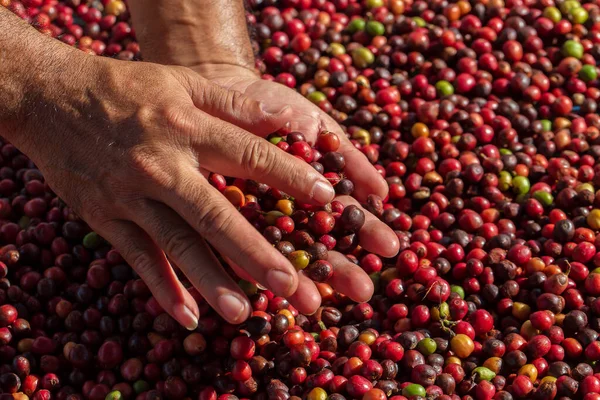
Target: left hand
<point x="307" y="118"/>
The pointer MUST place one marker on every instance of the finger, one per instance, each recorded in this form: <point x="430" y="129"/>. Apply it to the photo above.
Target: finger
<point x="232" y="106"/>
<point x="361" y="172"/>
<point x="150" y="263"/>
<point x="189" y="251"/>
<point x="311" y="120"/>
<point x="239" y="271"/>
<point x="308" y="124"/>
<point x="374" y="236"/>
<point x="349" y="279"/>
<point x="307" y="298"/>
<point x="215" y="219"/>
<point x="232" y="151"/>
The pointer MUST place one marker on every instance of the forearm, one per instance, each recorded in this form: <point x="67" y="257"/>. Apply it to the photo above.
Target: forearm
<point x="193" y="32"/>
<point x="16" y="47"/>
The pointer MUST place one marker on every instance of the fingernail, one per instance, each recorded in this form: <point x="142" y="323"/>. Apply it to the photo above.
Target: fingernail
<point x="185" y="316"/>
<point x="323" y="192"/>
<point x="273" y="109"/>
<point x="279" y="281"/>
<point x="231" y="307"/>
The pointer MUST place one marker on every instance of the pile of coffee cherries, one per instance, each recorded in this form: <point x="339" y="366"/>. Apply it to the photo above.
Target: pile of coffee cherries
<point x="99" y="27"/>
<point x="481" y="116"/>
<point x="302" y="232"/>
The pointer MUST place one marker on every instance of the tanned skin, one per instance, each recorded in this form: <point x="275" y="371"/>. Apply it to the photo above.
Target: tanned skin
<point x="129" y="145"/>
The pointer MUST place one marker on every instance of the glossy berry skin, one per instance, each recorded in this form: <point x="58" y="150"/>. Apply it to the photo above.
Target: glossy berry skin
<point x="542" y="320"/>
<point x="407" y="263"/>
<point x="328" y="142"/>
<point x="482" y="321"/>
<point x="322" y="223"/>
<point x="462" y="345"/>
<point x="485" y="390"/>
<point x="320" y="271"/>
<point x="357" y="386"/>
<point x="241" y="371"/>
<point x="481" y="279"/>
<point x="242" y="348"/>
<point x="522" y="386"/>
<point x="8" y="315"/>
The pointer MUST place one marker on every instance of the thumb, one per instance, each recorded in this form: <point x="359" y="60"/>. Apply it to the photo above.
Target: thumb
<point x="238" y="109"/>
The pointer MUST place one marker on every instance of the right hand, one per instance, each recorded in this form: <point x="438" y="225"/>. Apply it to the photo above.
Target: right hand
<point x="129" y="145"/>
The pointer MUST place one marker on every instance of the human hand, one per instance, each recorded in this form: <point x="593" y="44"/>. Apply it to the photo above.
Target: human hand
<point x="225" y="57"/>
<point x="306" y="118"/>
<point x="375" y="236"/>
<point x="128" y="147"/>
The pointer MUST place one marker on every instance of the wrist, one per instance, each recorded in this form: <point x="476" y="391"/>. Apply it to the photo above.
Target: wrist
<point x="192" y="32"/>
<point x="217" y="71"/>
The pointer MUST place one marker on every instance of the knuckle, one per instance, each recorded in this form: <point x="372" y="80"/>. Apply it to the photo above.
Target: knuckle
<point x="249" y="252"/>
<point x="144" y="266"/>
<point x="95" y="212"/>
<point x="92" y="210"/>
<point x="216" y="97"/>
<point x="208" y="215"/>
<point x="127" y="201"/>
<point x="180" y="245"/>
<point x="257" y="156"/>
<point x="239" y="102"/>
<point x="175" y="119"/>
<point x="144" y="162"/>
<point x="141" y="261"/>
<point x="201" y="276"/>
<point x="145" y="112"/>
<point x="214" y="223"/>
<point x="292" y="176"/>
<point x="145" y="117"/>
<point x="141" y="161"/>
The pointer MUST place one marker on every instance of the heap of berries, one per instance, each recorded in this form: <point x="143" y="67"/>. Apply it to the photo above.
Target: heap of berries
<point x="482" y="117"/>
<point x="302" y="232"/>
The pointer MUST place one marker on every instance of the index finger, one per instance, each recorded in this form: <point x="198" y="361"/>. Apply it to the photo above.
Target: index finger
<point x="230" y="150"/>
